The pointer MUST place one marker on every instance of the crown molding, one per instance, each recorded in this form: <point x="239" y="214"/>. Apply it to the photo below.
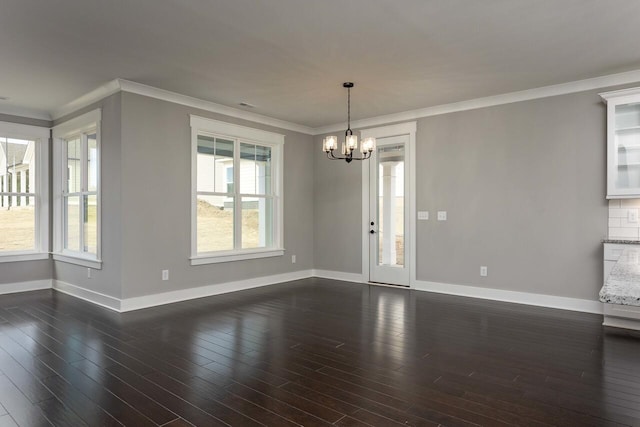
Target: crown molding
<point x="176" y="98"/>
<point x="87" y="99"/>
<point x="634" y="91"/>
<point x="29" y="113"/>
<point x="490" y="101"/>
<point x="118" y="85"/>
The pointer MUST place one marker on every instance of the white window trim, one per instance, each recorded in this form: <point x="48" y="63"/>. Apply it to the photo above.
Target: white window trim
<point x="41" y="137"/>
<point x="250" y="135"/>
<point x="80" y="124"/>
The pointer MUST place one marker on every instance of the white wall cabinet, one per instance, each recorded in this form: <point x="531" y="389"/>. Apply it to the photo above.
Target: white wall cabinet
<point x="623" y="143"/>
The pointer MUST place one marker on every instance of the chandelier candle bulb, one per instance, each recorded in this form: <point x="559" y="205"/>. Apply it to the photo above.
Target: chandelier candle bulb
<point x="330" y="143"/>
<point x="367" y="145"/>
<point x="352" y="142"/>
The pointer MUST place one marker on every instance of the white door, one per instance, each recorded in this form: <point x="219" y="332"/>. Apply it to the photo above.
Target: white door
<point x="389" y="222"/>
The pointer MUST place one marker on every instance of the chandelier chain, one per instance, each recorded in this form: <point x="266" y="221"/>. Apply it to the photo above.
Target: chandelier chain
<point x="349" y="108"/>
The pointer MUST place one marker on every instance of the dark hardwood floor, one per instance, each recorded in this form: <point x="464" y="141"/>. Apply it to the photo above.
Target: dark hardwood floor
<point x="313" y="352"/>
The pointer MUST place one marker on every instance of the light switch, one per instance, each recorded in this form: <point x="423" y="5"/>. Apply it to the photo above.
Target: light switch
<point x="442" y="215"/>
<point x="632" y="215"/>
<point x="423" y="215"/>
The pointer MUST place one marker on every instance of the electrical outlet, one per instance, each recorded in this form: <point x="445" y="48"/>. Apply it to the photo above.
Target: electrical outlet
<point x="442" y="215"/>
<point x="483" y="270"/>
<point x="293" y="259"/>
<point x="165" y="274"/>
<point x="88" y="273"/>
<point x="632" y="215"/>
<point x="423" y="215"/>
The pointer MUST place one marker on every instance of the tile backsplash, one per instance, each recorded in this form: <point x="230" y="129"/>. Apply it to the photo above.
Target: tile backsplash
<point x="619" y="225"/>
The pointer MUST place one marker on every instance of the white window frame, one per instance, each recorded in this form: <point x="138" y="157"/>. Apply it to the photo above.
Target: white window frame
<point x="79" y="125"/>
<point x="40" y="136"/>
<point x="240" y="134"/>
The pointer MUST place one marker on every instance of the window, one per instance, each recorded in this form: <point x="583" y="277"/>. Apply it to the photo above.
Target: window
<point x="24" y="189"/>
<point x="236" y="192"/>
<point x="77" y="190"/>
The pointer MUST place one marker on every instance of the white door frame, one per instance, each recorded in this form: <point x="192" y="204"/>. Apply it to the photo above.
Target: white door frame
<point x="408" y="128"/>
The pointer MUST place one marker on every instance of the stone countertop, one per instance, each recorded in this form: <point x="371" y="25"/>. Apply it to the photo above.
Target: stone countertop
<point x="619" y="241"/>
<point x="623" y="284"/>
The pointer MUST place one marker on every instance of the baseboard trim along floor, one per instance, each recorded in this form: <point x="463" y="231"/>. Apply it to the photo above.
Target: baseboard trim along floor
<point x="137" y="303"/>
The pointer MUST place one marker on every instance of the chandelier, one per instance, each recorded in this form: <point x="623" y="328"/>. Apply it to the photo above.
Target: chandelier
<point x="350" y="144"/>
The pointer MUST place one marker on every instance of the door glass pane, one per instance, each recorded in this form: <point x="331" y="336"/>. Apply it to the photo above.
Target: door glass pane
<point x="73" y="165"/>
<point x="17" y="223"/>
<point x="90" y="224"/>
<point x="92" y="162"/>
<point x="390" y="241"/>
<point x="72" y="223"/>
<point x="214" y="223"/>
<point x="257" y="222"/>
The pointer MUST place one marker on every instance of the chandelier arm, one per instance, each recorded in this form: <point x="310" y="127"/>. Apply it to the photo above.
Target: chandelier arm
<point x="332" y="156"/>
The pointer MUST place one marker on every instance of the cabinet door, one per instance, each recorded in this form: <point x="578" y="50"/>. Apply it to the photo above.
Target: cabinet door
<point x="623" y="146"/>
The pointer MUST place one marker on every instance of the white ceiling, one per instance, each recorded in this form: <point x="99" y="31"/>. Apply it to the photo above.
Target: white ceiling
<point x="290" y="57"/>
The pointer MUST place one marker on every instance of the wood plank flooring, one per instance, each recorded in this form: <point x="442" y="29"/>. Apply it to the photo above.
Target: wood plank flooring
<point x="313" y="352"/>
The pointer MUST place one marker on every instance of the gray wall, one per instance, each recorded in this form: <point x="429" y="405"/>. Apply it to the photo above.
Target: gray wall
<point x="108" y="280"/>
<point x="523" y="184"/>
<point x="524" y="188"/>
<point x="338" y="221"/>
<point x="156" y="197"/>
<point x="24" y="271"/>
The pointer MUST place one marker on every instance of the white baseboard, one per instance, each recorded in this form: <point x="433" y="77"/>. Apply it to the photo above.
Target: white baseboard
<point x="137" y="303"/>
<point x="619" y="322"/>
<point x="98" y="298"/>
<point x="338" y="275"/>
<point x="33" y="285"/>
<point x="550" y="301"/>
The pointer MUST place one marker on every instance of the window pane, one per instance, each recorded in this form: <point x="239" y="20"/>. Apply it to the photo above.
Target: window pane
<point x="17" y="225"/>
<point x="90" y="225"/>
<point x="206" y="161"/>
<point x="263" y="167"/>
<point x="248" y="169"/>
<point x="17" y="166"/>
<point x="92" y="162"/>
<point x="214" y="156"/>
<point x="224" y="160"/>
<point x="257" y="222"/>
<point x="255" y="169"/>
<point x="72" y="223"/>
<point x="73" y="165"/>
<point x="214" y="223"/>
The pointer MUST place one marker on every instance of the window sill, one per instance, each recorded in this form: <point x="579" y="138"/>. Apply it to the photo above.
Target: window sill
<point x="235" y="256"/>
<point x="77" y="260"/>
<point x="33" y="256"/>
